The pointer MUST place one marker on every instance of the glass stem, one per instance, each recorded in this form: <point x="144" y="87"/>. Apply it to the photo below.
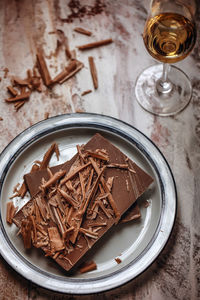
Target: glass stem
<point x="163" y="85"/>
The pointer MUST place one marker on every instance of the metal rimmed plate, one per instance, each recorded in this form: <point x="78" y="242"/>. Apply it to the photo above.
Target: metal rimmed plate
<point x="136" y="243"/>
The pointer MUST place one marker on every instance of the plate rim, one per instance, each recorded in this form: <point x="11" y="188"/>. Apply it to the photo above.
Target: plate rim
<point x="94" y="284"/>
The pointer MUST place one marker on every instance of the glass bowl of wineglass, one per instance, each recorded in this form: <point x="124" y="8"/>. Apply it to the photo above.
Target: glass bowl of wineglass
<point x="169" y="36"/>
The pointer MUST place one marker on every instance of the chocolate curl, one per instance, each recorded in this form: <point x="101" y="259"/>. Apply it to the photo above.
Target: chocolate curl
<point x="95" y="44"/>
<point x="43" y="68"/>
<point x="93" y="71"/>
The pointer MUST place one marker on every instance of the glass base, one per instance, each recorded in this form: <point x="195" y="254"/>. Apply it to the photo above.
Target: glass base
<point x="167" y="103"/>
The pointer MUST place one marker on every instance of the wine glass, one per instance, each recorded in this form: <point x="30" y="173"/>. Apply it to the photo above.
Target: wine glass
<point x="169" y="36"/>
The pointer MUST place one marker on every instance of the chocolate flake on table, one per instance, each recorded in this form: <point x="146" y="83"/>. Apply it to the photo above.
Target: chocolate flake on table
<point x="12" y="90"/>
<point x="74" y="67"/>
<point x="83" y="31"/>
<point x="70" y="68"/>
<point x="46" y="77"/>
<point x="23" y="96"/>
<point x="86" y="92"/>
<point x="78" y="203"/>
<point x="40" y="76"/>
<point x="21" y="89"/>
<point x="118" y="260"/>
<point x="93" y="71"/>
<point x="95" y="44"/>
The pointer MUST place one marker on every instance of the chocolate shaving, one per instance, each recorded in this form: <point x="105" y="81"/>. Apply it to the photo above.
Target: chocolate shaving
<point x="46" y="115"/>
<point x="121" y="166"/>
<point x="66" y="72"/>
<point x="82" y="186"/>
<point x="11" y="210"/>
<point x="73" y="54"/>
<point x="97" y="155"/>
<point x="118" y="260"/>
<point x="95" y="44"/>
<point x="83" y="31"/>
<point x="43" y="68"/>
<point x="82" y="157"/>
<point x="55" y="239"/>
<point x="79" y="215"/>
<point x="26" y="227"/>
<point x="22" y="191"/>
<point x="53" y="179"/>
<point x="108" y="215"/>
<point x="93" y="71"/>
<point x="20" y="81"/>
<point x="68" y="52"/>
<point x="86" y="92"/>
<point x="79" y="66"/>
<point x="19" y="104"/>
<point x="23" y="96"/>
<point x="42" y="208"/>
<point x="12" y="90"/>
<point x="88" y="233"/>
<point x="89" y="180"/>
<point x="73" y="173"/>
<point x="88" y="267"/>
<point x="68" y="198"/>
<point x="6" y="70"/>
<point x="47" y="156"/>
<point x="59" y="221"/>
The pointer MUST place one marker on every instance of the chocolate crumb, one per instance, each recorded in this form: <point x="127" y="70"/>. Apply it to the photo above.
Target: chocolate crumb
<point x="6" y="70"/>
<point x="46" y="115"/>
<point x="118" y="260"/>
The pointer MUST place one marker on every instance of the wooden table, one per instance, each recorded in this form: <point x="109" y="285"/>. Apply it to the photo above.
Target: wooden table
<point x="28" y="25"/>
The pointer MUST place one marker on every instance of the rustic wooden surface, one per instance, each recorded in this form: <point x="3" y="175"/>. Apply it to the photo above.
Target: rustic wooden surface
<point x="26" y="25"/>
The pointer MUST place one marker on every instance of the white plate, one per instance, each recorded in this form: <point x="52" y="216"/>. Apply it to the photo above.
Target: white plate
<point x="137" y="243"/>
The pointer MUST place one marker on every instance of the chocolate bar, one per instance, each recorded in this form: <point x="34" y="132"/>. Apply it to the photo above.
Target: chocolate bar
<point x="81" y="201"/>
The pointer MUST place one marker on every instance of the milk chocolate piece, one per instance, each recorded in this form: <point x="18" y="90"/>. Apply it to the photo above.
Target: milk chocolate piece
<point x="99" y="207"/>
